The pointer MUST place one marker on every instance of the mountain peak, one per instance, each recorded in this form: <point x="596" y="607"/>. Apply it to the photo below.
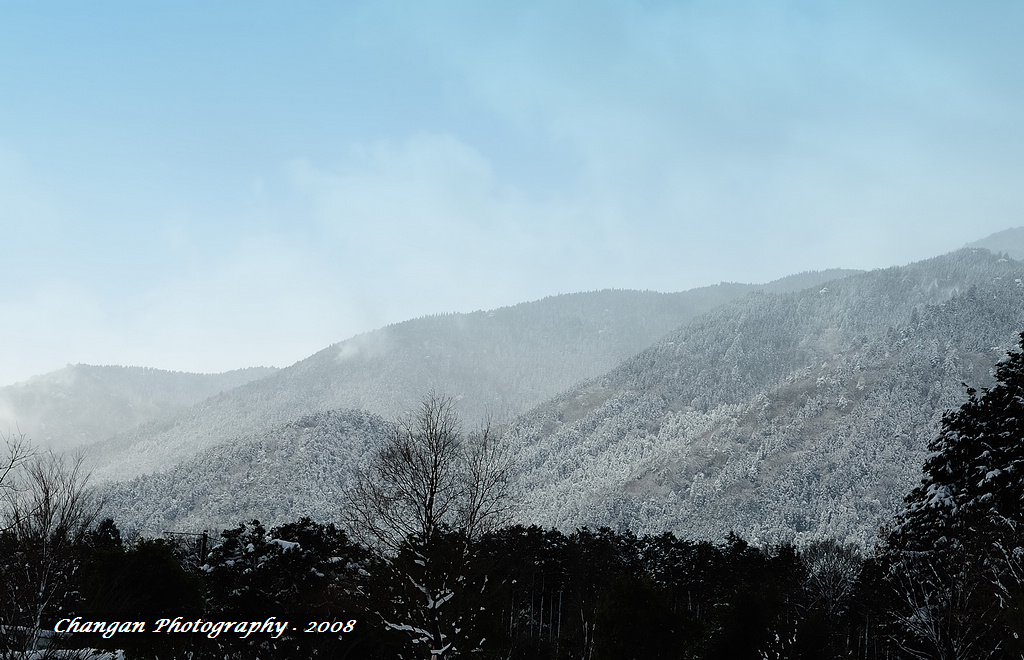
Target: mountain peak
<point x="1009" y="241"/>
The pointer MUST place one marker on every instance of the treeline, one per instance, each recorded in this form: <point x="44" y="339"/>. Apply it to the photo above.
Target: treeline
<point x="518" y="592"/>
<point x="437" y="574"/>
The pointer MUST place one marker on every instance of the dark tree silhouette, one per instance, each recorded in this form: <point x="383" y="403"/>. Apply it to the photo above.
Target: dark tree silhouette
<point x="424" y="500"/>
<point x="954" y="555"/>
<point x="41" y="548"/>
<point x="430" y="478"/>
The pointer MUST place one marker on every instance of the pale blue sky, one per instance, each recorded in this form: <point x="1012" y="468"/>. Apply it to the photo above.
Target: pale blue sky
<point x="205" y="186"/>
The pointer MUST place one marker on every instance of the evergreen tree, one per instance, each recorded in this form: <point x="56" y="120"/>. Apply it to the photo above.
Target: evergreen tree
<point x="299" y="572"/>
<point x="973" y="481"/>
<point x="142" y="583"/>
<point x="955" y="553"/>
<point x="634" y="620"/>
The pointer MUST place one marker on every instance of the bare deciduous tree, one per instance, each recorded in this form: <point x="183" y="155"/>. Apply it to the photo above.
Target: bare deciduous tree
<point x="832" y="570"/>
<point x="18" y="451"/>
<point x="487" y="501"/>
<point x="430" y="477"/>
<point x="944" y="608"/>
<point x="49" y="511"/>
<point x="428" y="493"/>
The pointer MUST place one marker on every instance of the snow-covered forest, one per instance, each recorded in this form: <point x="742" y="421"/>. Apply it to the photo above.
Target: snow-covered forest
<point x="945" y="581"/>
<point x="790" y="416"/>
<point x="730" y="472"/>
<point x="512" y="330"/>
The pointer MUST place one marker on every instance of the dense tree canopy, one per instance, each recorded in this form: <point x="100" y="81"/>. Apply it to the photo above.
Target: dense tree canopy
<point x="973" y="486"/>
<point x="955" y="553"/>
<point x="947" y="583"/>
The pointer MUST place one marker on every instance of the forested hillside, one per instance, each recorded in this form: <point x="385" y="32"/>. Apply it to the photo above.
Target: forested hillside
<point x="498" y="362"/>
<point x="1009" y="242"/>
<point x="792" y="417"/>
<point x="944" y="582"/>
<point x="83" y="404"/>
<point x="297" y="469"/>
<point x="783" y="417"/>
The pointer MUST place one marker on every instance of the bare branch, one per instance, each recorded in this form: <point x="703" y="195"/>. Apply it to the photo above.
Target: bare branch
<point x="19" y="450"/>
<point x="488" y="466"/>
<point x="46" y="520"/>
<point x="428" y="478"/>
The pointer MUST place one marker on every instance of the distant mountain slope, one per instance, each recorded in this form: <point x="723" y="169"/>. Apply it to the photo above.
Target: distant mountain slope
<point x="780" y="417"/>
<point x="1009" y="242"/>
<point x="500" y="362"/>
<point x="296" y="469"/>
<point x="82" y="404"/>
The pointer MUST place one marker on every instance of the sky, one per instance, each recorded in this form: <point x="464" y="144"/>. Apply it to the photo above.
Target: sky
<point x="205" y="186"/>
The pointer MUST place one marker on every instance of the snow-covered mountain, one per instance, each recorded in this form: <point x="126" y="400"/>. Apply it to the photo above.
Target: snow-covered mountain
<point x="296" y="469"/>
<point x="799" y="410"/>
<point x="83" y="404"/>
<point x="1009" y="242"/>
<point x="499" y="362"/>
<point x="780" y="417"/>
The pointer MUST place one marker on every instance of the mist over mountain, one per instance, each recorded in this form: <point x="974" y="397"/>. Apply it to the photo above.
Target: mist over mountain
<point x="297" y="469"/>
<point x="498" y="362"/>
<point x="797" y="410"/>
<point x="1009" y="242"/>
<point x="781" y="416"/>
<point x="789" y="417"/>
<point x="83" y="404"/>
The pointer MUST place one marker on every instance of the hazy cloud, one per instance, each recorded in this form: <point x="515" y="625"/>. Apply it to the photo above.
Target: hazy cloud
<point x="204" y="190"/>
<point x="424" y="224"/>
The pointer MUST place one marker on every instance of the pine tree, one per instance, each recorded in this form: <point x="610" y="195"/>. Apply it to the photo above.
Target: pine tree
<point x="973" y="486"/>
<point x="955" y="552"/>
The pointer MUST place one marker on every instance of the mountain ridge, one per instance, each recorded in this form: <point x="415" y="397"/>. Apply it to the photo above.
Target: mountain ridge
<point x="783" y="414"/>
<point x="589" y="451"/>
<point x="82" y="404"/>
<point x="496" y="362"/>
<point x="748" y="418"/>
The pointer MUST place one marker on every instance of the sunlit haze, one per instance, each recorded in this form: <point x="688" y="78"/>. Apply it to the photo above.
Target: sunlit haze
<point x="207" y="186"/>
